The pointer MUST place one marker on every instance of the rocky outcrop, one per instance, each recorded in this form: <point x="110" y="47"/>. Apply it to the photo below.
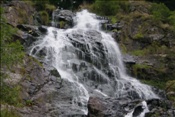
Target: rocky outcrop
<point x="17" y="12"/>
<point x="63" y="18"/>
<point x="111" y="107"/>
<point x="37" y="87"/>
<point x="161" y="108"/>
<point x="28" y="34"/>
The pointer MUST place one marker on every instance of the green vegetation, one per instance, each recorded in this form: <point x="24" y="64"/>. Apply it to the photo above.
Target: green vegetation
<point x="113" y="19"/>
<point x="141" y="66"/>
<point x="170" y="86"/>
<point x="44" y="8"/>
<point x="110" y="7"/>
<point x="106" y="7"/>
<point x="11" y="51"/>
<point x="62" y="24"/>
<point x="138" y="67"/>
<point x="140" y="71"/>
<point x="8" y="113"/>
<point x="29" y="102"/>
<point x="156" y="83"/>
<point x="10" y="94"/>
<point x="44" y="17"/>
<point x="11" y="55"/>
<point x="139" y="52"/>
<point x="138" y="36"/>
<point x="162" y="13"/>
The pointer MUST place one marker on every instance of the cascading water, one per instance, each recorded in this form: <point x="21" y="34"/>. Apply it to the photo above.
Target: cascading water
<point x="90" y="60"/>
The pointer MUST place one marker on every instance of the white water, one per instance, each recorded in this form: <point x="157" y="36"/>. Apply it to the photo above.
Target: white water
<point x="62" y="54"/>
<point x="142" y="114"/>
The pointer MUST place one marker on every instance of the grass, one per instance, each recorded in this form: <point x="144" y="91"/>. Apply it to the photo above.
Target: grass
<point x="11" y="95"/>
<point x="8" y="113"/>
<point x="138" y="36"/>
<point x="155" y="83"/>
<point x="139" y="52"/>
<point x="113" y="19"/>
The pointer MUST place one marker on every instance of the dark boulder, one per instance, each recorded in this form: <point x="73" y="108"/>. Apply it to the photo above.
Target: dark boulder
<point x="42" y="29"/>
<point x="28" y="34"/>
<point x="161" y="108"/>
<point x="63" y="18"/>
<point x="32" y="30"/>
<point x="18" y="12"/>
<point x="113" y="107"/>
<point x="96" y="107"/>
<point x="119" y="107"/>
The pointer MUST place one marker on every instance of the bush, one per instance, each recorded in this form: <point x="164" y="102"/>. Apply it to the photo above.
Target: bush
<point x="160" y="12"/>
<point x="139" y="52"/>
<point x="170" y="85"/>
<point x="49" y="7"/>
<point x="138" y="36"/>
<point x="44" y="17"/>
<point x="171" y="19"/>
<point x="106" y="7"/>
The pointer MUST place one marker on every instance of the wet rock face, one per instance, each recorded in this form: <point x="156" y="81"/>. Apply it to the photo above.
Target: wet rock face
<point x="63" y="18"/>
<point x="160" y="108"/>
<point x="28" y="34"/>
<point x="38" y="86"/>
<point x="86" y="51"/>
<point x="111" y="107"/>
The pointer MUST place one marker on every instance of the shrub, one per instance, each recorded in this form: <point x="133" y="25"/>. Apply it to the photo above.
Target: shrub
<point x="138" y="36"/>
<point x="106" y="7"/>
<point x="160" y="12"/>
<point x="49" y="8"/>
<point x="113" y="19"/>
<point x="170" y="85"/>
<point x="125" y="6"/>
<point x="44" y="17"/>
<point x="139" y="52"/>
<point x="171" y="19"/>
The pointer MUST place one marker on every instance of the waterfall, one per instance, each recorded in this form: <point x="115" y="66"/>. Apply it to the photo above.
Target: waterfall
<point x="90" y="60"/>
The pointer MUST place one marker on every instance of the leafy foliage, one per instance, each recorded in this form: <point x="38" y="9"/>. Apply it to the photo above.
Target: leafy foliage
<point x="160" y="11"/>
<point x="44" y="17"/>
<point x="171" y="19"/>
<point x="106" y="7"/>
